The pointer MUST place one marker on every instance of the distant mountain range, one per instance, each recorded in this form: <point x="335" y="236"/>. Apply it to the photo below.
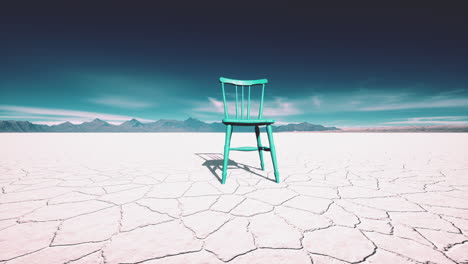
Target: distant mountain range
<point x="410" y="129"/>
<point x="163" y="125"/>
<point x="195" y="125"/>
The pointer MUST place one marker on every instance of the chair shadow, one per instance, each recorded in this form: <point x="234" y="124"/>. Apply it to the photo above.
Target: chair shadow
<point x="214" y="161"/>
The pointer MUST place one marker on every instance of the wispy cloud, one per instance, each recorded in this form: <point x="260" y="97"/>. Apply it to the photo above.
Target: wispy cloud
<point x="218" y="106"/>
<point x="63" y="114"/>
<point x="213" y="105"/>
<point x="316" y="101"/>
<point x="433" y="120"/>
<point x="359" y="100"/>
<point x="452" y="92"/>
<point x="278" y="107"/>
<point x="385" y="101"/>
<point x="428" y="103"/>
<point x="120" y="102"/>
<point x="318" y="106"/>
<point x="16" y="117"/>
<point x="45" y="120"/>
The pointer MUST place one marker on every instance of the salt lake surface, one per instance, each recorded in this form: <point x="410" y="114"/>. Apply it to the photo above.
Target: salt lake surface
<point x="156" y="198"/>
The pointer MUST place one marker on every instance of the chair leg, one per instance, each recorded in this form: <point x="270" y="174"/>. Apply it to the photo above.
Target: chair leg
<point x="227" y="144"/>
<point x="259" y="145"/>
<point x="273" y="152"/>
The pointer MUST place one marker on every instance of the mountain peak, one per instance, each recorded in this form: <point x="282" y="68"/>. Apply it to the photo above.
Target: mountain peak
<point x="132" y="123"/>
<point x="97" y="120"/>
<point x="95" y="123"/>
<point x="67" y="123"/>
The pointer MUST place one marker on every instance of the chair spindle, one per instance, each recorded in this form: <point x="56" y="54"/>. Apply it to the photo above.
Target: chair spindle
<point x="260" y="112"/>
<point x="248" y="106"/>
<point x="237" y="105"/>
<point x="226" y="113"/>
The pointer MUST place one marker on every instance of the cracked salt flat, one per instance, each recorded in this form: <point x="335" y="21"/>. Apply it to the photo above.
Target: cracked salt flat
<point x="156" y="198"/>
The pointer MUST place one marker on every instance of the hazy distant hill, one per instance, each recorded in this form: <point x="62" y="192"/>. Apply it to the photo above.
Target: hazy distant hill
<point x="304" y="126"/>
<point x="411" y="129"/>
<point x="21" y="126"/>
<point x="97" y="125"/>
<point x="64" y="127"/>
<point x="195" y="125"/>
<point x="163" y="125"/>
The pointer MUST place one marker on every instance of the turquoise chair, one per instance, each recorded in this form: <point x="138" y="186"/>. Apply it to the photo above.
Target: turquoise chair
<point x="242" y="119"/>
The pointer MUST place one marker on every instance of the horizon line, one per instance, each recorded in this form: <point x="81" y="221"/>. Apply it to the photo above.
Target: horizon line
<point x="344" y="128"/>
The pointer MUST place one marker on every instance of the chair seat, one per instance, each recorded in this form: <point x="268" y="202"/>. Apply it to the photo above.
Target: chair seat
<point x="248" y="122"/>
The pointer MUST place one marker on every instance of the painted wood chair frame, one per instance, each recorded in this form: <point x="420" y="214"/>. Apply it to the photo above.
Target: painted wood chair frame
<point x="245" y="120"/>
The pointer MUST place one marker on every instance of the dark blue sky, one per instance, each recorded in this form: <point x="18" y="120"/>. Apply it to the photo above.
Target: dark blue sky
<point x="334" y="66"/>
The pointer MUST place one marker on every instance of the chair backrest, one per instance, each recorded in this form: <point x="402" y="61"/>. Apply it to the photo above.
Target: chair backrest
<point x="239" y="85"/>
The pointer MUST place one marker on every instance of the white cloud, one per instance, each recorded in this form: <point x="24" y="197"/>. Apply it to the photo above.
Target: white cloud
<point x="16" y="117"/>
<point x="218" y="105"/>
<point x="64" y="114"/>
<point x="316" y="101"/>
<point x="281" y="123"/>
<point x="374" y="100"/>
<point x="433" y="120"/>
<point x="213" y="106"/>
<point x="452" y="92"/>
<point x="338" y="102"/>
<point x="278" y="107"/>
<point x="410" y="122"/>
<point x="461" y="102"/>
<point x="121" y="102"/>
<point x="383" y="102"/>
